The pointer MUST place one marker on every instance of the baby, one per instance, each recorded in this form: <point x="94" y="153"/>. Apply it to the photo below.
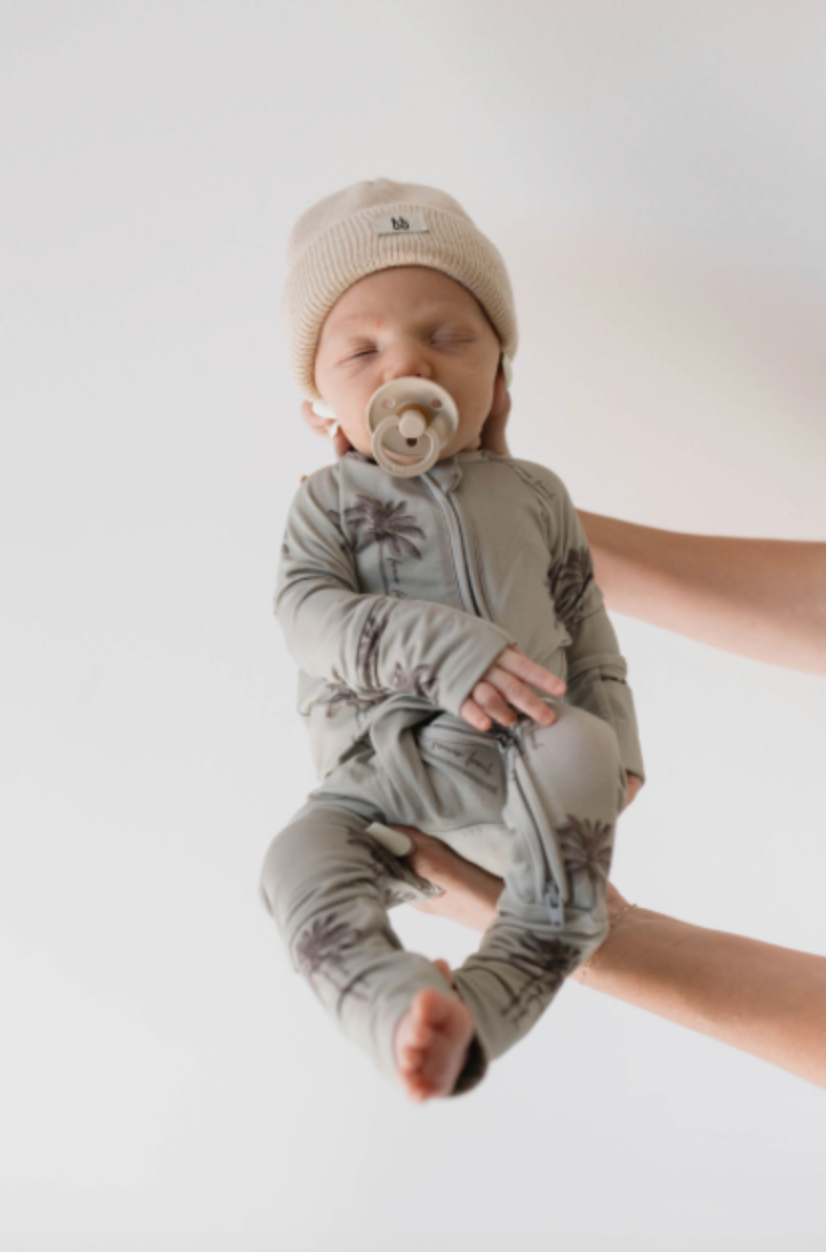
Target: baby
<point x="425" y="613"/>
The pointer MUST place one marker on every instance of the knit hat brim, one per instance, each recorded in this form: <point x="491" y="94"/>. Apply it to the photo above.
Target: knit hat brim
<point x="351" y="249"/>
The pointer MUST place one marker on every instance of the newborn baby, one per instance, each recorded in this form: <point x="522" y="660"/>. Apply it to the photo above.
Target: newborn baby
<point x="423" y="611"/>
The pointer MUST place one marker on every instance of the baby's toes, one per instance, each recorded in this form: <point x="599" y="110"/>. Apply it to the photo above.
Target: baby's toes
<point x="411" y="1057"/>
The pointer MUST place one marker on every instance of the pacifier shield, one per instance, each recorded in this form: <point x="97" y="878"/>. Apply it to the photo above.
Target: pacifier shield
<point x="411" y="420"/>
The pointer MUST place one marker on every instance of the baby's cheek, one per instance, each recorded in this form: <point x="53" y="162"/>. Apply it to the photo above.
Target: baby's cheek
<point x="356" y="436"/>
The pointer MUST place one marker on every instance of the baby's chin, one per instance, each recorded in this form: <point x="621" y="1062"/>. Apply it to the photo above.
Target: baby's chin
<point x="471" y="445"/>
<point x="363" y="444"/>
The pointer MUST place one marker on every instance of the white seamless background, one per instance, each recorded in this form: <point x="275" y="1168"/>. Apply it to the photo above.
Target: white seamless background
<point x="653" y="176"/>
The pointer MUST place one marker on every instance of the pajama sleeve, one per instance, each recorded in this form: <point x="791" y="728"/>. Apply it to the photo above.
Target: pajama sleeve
<point x="596" y="669"/>
<point x="370" y="643"/>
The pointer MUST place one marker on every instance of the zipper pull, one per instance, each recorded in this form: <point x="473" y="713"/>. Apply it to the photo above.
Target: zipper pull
<point x="555" y="906"/>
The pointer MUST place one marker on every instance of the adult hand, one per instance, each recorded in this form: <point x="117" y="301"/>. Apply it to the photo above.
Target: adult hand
<point x="504" y="688"/>
<point x="493" y="431"/>
<point x="470" y="893"/>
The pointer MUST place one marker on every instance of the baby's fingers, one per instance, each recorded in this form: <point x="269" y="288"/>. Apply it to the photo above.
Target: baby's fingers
<point x="514" y="661"/>
<point x="475" y="716"/>
<point x="488" y="696"/>
<point x="520" y="696"/>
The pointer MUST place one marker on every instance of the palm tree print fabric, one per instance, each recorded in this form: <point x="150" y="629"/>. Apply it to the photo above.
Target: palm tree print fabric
<point x="367" y="657"/>
<point x="340" y="696"/>
<point x="536" y="966"/>
<point x="321" y="952"/>
<point x="545" y="963"/>
<point x="385" y="523"/>
<point x="381" y="556"/>
<point x="567" y="582"/>
<point x="417" y="682"/>
<point x="587" y="847"/>
<point x="344" y="543"/>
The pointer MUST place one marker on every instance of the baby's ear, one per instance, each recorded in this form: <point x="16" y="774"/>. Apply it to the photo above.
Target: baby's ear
<point x="507" y="369"/>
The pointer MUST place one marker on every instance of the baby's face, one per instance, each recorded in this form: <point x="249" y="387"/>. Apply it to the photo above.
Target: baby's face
<point x="403" y="322"/>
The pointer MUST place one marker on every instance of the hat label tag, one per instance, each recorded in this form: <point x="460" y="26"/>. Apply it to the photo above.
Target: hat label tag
<point x="401" y="224"/>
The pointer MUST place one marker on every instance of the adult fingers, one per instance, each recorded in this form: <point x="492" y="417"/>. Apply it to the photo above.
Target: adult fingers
<point x="493" y="432"/>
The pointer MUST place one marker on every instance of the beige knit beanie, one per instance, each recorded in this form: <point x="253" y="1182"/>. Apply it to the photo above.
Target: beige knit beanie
<point x="374" y="226"/>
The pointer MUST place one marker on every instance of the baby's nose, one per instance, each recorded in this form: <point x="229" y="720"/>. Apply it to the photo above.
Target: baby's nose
<point x="407" y="363"/>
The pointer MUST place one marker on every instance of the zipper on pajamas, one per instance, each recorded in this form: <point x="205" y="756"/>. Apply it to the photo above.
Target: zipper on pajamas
<point x="476" y="585"/>
<point x="547" y="867"/>
<point x="457" y="546"/>
<point x="470" y="589"/>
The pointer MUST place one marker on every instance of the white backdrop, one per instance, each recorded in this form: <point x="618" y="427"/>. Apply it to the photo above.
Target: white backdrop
<point x="653" y="175"/>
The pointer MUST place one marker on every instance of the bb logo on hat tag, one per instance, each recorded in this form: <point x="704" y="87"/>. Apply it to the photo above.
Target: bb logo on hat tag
<point x="411" y="421"/>
<point x="401" y="224"/>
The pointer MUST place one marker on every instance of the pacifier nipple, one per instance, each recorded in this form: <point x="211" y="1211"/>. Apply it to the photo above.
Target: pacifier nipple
<point x="412" y="424"/>
<point x="411" y="421"/>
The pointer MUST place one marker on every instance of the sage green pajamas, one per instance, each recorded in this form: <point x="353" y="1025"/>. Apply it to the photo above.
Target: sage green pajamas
<point x="396" y="596"/>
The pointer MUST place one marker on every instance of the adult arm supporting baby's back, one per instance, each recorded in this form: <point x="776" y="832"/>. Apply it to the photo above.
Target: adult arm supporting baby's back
<point x="369" y="642"/>
<point x="597" y="670"/>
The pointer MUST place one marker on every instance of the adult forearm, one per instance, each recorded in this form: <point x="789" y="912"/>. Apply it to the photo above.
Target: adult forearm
<point x="762" y="999"/>
<point x="761" y="598"/>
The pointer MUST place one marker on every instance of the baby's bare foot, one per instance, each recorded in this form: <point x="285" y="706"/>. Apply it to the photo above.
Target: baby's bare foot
<point x="431" y="1044"/>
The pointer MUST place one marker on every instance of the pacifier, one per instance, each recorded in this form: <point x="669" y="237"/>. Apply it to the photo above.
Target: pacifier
<point x="411" y="421"/>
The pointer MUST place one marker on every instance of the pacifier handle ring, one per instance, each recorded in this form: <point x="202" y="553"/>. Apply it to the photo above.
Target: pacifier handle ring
<point x="397" y="468"/>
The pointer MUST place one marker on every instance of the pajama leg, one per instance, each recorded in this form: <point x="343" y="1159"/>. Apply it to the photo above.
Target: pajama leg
<point x="327" y="884"/>
<point x="565" y="788"/>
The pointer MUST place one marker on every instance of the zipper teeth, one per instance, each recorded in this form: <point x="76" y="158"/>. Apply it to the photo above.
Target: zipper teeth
<point x="480" y="581"/>
<point x="476" y="593"/>
<point x="540" y="860"/>
<point x="465" y="592"/>
<point x="555" y="861"/>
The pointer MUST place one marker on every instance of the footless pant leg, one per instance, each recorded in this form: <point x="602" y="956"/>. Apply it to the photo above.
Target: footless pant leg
<point x="327" y="884"/>
<point x="565" y="789"/>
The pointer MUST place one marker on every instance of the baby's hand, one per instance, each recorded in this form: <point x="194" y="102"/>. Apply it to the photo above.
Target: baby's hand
<point x="323" y="426"/>
<point x="504" y="688"/>
<point x="633" y="786"/>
